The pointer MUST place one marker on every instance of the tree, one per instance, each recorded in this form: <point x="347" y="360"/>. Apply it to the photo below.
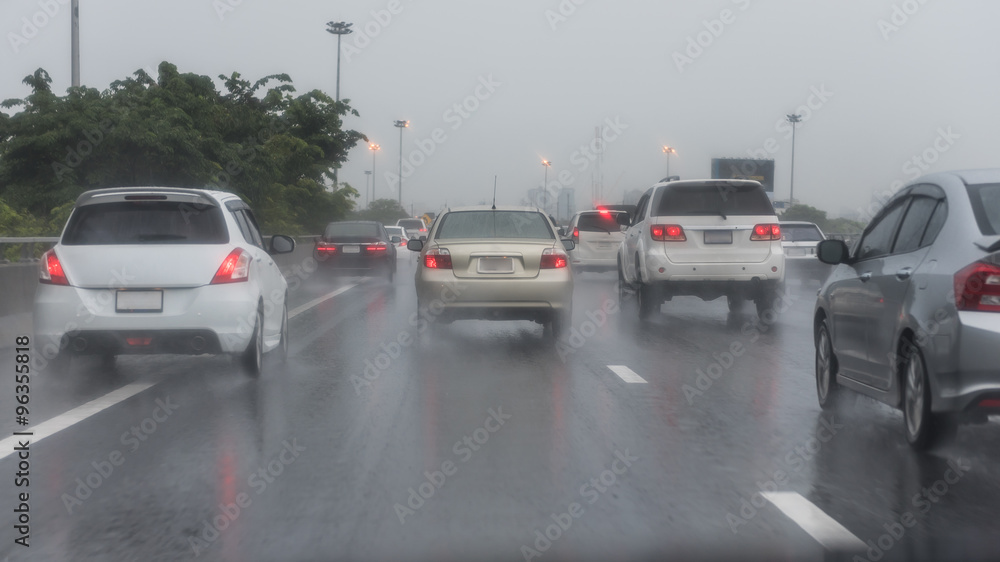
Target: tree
<point x="804" y="213"/>
<point x="385" y="211"/>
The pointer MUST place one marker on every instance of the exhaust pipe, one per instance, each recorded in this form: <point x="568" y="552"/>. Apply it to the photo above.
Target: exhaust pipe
<point x="198" y="343"/>
<point x="79" y="344"/>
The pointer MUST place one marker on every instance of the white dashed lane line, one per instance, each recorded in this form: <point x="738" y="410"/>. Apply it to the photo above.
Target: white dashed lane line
<point x="813" y="520"/>
<point x="316" y="302"/>
<point x="626" y="374"/>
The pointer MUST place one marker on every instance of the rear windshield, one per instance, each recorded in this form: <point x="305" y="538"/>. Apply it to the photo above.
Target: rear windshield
<point x="494" y="224"/>
<point x="394" y="230"/>
<point x="985" y="200"/>
<point x="146" y="222"/>
<point x="598" y="222"/>
<point x="720" y="199"/>
<point x="351" y="230"/>
<point x="412" y="224"/>
<point x="800" y="233"/>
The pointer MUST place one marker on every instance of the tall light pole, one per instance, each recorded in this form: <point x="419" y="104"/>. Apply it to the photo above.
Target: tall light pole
<point x="793" y="119"/>
<point x="339" y="29"/>
<point x="368" y="198"/>
<point x="668" y="150"/>
<point x="75" y="42"/>
<point x="374" y="148"/>
<point x="402" y="125"/>
<point x="545" y="182"/>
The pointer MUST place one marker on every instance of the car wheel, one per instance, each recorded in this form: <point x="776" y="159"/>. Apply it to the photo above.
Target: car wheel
<point x="559" y="324"/>
<point x="282" y="350"/>
<point x="390" y="271"/>
<point x="765" y="302"/>
<point x="622" y="287"/>
<point x="827" y="388"/>
<point x="923" y="429"/>
<point x="253" y="357"/>
<point x="648" y="303"/>
<point x="735" y="303"/>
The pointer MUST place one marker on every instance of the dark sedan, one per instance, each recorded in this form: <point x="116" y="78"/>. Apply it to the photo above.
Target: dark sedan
<point x="358" y="247"/>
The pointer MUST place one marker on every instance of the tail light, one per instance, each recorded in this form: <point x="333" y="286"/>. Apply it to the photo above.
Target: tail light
<point x="234" y="269"/>
<point x="376" y="248"/>
<point x="50" y="270"/>
<point x="667" y="233"/>
<point x="324" y="248"/>
<point x="576" y="234"/>
<point x="766" y="232"/>
<point x="437" y="258"/>
<point x="977" y="287"/>
<point x="553" y="259"/>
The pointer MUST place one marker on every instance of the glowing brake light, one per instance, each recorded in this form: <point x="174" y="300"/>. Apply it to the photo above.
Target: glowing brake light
<point x="324" y="248"/>
<point x="51" y="271"/>
<point x="234" y="269"/>
<point x="667" y="233"/>
<point x="437" y="258"/>
<point x="766" y="232"/>
<point x="553" y="259"/>
<point x="977" y="287"/>
<point x="379" y="247"/>
<point x="576" y="234"/>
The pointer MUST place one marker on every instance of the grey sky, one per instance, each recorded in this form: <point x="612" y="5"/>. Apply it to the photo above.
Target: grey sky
<point x="887" y="94"/>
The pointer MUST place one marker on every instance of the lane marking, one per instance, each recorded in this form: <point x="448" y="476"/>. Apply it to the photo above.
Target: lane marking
<point x="626" y="374"/>
<point x="54" y="425"/>
<point x="813" y="520"/>
<point x="315" y="302"/>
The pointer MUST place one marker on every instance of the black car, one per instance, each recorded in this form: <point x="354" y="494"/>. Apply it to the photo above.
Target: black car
<point x="357" y="246"/>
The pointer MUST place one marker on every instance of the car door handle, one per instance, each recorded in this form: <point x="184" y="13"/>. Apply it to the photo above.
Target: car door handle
<point x="866" y="276"/>
<point x="904" y="274"/>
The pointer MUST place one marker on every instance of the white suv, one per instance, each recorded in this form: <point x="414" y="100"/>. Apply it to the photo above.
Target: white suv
<point x="597" y="236"/>
<point x="704" y="238"/>
<point x="142" y="270"/>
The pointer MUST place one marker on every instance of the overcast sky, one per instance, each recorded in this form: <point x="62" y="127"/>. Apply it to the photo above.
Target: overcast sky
<point x="495" y="87"/>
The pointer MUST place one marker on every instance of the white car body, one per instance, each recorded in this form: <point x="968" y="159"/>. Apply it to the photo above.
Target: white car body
<point x="597" y="237"/>
<point x="148" y="297"/>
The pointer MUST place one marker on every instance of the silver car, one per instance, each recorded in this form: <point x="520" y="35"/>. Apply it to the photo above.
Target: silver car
<point x="912" y="316"/>
<point x="494" y="264"/>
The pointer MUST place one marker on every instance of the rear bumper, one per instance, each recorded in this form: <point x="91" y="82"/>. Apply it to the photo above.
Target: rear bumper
<point x="772" y="269"/>
<point x="495" y="297"/>
<point x="973" y="372"/>
<point x="357" y="262"/>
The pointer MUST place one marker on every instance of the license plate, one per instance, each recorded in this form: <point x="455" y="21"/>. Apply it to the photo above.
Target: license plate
<point x="139" y="301"/>
<point x="352" y="249"/>
<point x="718" y="236"/>
<point x="496" y="265"/>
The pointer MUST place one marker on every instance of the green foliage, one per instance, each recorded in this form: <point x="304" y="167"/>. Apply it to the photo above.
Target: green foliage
<point x="814" y="215"/>
<point x="257" y="139"/>
<point x="386" y="211"/>
<point x="843" y="226"/>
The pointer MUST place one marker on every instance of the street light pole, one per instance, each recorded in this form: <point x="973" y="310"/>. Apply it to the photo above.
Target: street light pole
<point x="545" y="182"/>
<point x="669" y="150"/>
<point x="374" y="148"/>
<point x="75" y="42"/>
<point x="339" y="29"/>
<point x="402" y="125"/>
<point x="793" y="119"/>
<point x="367" y="194"/>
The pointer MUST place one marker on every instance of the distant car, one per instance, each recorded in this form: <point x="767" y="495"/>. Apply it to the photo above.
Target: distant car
<point x="495" y="264"/>
<point x="398" y="231"/>
<point x="597" y="236"/>
<point x="142" y="270"/>
<point x="358" y="247"/>
<point x="798" y="241"/>
<point x="911" y="317"/>
<point x="704" y="238"/>
<point x="416" y="227"/>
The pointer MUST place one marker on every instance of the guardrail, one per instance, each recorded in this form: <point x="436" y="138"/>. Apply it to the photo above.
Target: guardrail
<point x="31" y="247"/>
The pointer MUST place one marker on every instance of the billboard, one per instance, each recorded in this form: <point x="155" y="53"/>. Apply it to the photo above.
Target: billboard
<point x="745" y="169"/>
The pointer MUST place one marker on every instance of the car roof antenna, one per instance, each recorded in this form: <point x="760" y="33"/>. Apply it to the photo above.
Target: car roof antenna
<point x="494" y="192"/>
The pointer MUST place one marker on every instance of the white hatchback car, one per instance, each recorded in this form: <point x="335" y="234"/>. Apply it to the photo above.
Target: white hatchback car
<point x="597" y="235"/>
<point x="148" y="270"/>
<point x="704" y="238"/>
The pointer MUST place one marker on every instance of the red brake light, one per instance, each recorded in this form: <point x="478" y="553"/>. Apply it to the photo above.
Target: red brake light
<point x="553" y="259"/>
<point x="380" y="247"/>
<point x="139" y="341"/>
<point x="766" y="232"/>
<point x="667" y="233"/>
<point x="437" y="258"/>
<point x="977" y="287"/>
<point x="234" y="269"/>
<point x="51" y="271"/>
<point x="605" y="212"/>
<point x="576" y="234"/>
<point x="324" y="248"/>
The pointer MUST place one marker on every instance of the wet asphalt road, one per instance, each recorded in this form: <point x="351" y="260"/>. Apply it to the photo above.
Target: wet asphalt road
<point x="379" y="441"/>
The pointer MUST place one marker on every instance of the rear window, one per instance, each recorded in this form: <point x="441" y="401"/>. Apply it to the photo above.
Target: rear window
<point x="985" y="200"/>
<point x="412" y="224"/>
<point x="351" y="230"/>
<point x="720" y="199"/>
<point x="598" y="222"/>
<point x="800" y="233"/>
<point x="394" y="230"/>
<point x="146" y="222"/>
<point x="494" y="224"/>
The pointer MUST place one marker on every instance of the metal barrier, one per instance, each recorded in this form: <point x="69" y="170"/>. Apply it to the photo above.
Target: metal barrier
<point x="31" y="247"/>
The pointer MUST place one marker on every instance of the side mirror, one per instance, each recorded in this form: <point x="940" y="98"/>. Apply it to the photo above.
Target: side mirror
<point x="395" y="239"/>
<point x="569" y="244"/>
<point x="562" y="231"/>
<point x="414" y="244"/>
<point x="832" y="252"/>
<point x="281" y="244"/>
<point x="623" y="219"/>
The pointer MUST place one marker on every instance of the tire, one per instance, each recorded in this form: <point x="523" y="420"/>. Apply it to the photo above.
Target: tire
<point x="764" y="303"/>
<point x="735" y="303"/>
<point x="924" y="430"/>
<point x="559" y="324"/>
<point x="253" y="357"/>
<point x="648" y="301"/>
<point x="827" y="389"/>
<point x="282" y="350"/>
<point x="622" y="287"/>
